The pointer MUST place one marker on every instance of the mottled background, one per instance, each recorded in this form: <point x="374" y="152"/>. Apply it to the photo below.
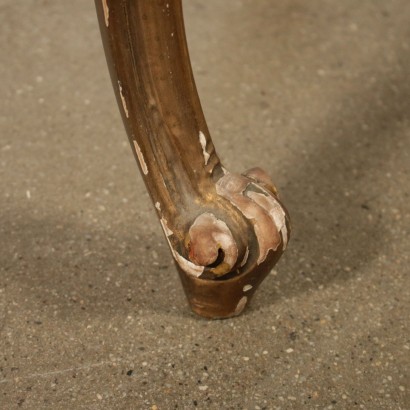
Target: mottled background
<point x="92" y="314"/>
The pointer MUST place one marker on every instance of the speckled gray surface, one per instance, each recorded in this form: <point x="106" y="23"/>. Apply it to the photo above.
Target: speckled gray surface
<point x="92" y="314"/>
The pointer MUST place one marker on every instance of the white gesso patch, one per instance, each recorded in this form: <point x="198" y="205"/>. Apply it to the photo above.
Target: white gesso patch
<point x="106" y="12"/>
<point x="245" y="258"/>
<point x="246" y="288"/>
<point x="186" y="265"/>
<point x="241" y="305"/>
<point x="124" y="103"/>
<point x="158" y="206"/>
<point x="140" y="158"/>
<point x="275" y="211"/>
<point x="202" y="141"/>
<point x="167" y="231"/>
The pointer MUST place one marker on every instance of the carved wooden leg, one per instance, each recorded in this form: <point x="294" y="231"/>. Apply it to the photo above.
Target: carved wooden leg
<point x="225" y="230"/>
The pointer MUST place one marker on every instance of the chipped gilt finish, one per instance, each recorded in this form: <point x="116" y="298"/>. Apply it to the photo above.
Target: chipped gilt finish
<point x="225" y="230"/>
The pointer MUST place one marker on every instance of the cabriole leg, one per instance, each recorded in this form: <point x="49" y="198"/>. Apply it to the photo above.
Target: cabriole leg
<point x="225" y="231"/>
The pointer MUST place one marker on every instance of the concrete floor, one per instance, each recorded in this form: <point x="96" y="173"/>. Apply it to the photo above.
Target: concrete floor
<point x="92" y="314"/>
